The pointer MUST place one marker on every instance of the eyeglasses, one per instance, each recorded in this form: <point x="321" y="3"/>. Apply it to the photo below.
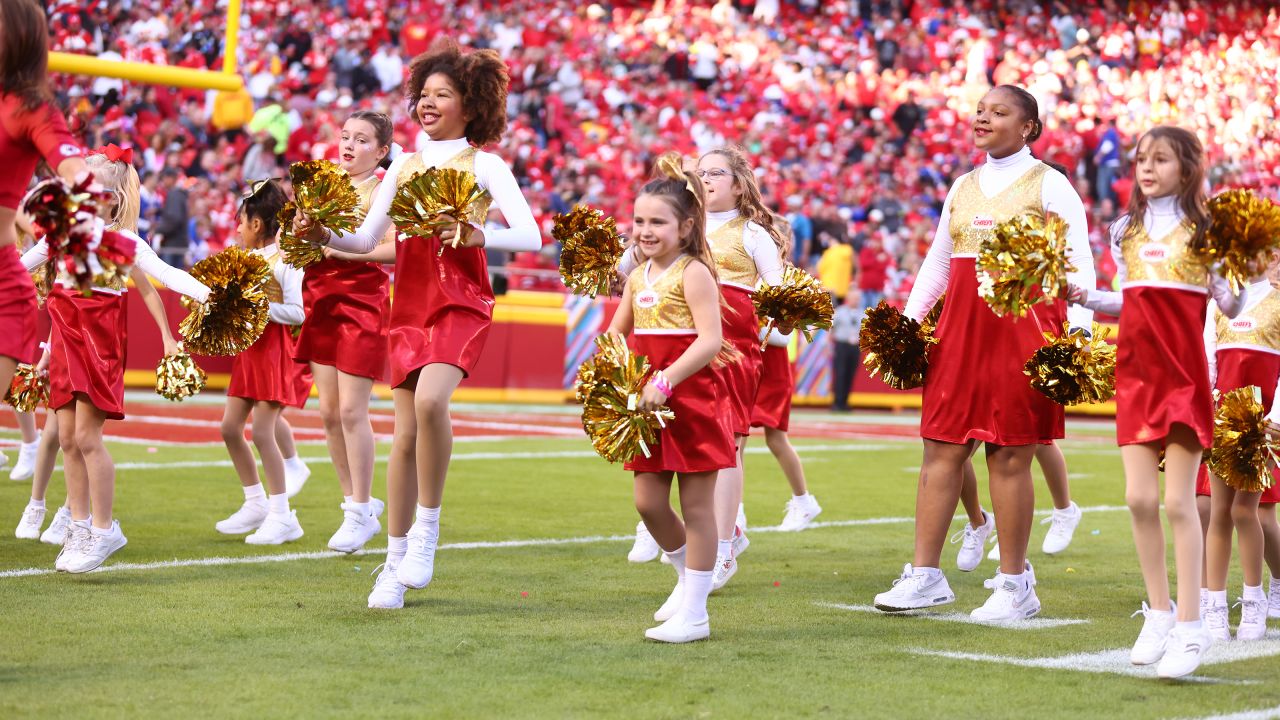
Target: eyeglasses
<point x="255" y="186"/>
<point x="716" y="174"/>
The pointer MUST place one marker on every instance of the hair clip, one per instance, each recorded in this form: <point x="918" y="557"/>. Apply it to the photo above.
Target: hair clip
<point x="669" y="164"/>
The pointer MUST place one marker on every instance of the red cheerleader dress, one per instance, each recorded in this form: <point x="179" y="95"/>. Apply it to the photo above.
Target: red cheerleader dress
<point x="700" y="438"/>
<point x="976" y="389"/>
<point x="267" y="371"/>
<point x="348" y="312"/>
<point x="772" y="407"/>
<point x="738" y="324"/>
<point x="87" y="349"/>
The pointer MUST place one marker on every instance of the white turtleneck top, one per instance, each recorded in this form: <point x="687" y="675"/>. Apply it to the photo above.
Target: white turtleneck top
<point x="1162" y="216"/>
<point x="492" y="174"/>
<point x="994" y="177"/>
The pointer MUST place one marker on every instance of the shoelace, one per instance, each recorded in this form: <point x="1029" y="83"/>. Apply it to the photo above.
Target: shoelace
<point x="418" y="543"/>
<point x="968" y="534"/>
<point x="1216" y="616"/>
<point x="385" y="577"/>
<point x="29" y="516"/>
<point x="1250" y="610"/>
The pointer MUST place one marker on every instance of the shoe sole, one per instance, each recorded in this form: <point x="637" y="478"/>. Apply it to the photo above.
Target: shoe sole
<point x="100" y="562"/>
<point x="241" y="530"/>
<point x="353" y="549"/>
<point x="892" y="609"/>
<point x="678" y="641"/>
<point x="27" y="537"/>
<point x="387" y="607"/>
<point x="650" y="558"/>
<point x="290" y="538"/>
<point x="1023" y="616"/>
<point x="417" y="587"/>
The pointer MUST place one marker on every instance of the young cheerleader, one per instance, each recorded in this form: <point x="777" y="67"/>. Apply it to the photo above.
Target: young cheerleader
<point x="86" y="368"/>
<point x="443" y="301"/>
<point x="996" y="406"/>
<point x="1241" y="352"/>
<point x="772" y="411"/>
<point x="672" y="304"/>
<point x="348" y="308"/>
<point x="1161" y="403"/>
<point x="264" y="380"/>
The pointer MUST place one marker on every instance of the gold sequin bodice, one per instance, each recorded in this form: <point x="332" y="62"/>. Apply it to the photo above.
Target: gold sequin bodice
<point x="1167" y="259"/>
<point x="659" y="305"/>
<point x="1258" y="327"/>
<point x="974" y="216"/>
<point x="464" y="160"/>
<point x="733" y="264"/>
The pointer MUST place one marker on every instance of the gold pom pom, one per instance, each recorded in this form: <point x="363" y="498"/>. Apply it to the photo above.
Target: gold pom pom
<point x="178" y="377"/>
<point x="235" y="314"/>
<point x="799" y="301"/>
<point x="296" y="251"/>
<point x="28" y="389"/>
<point x="608" y="387"/>
<point x="1073" y="368"/>
<point x="1243" y="451"/>
<point x="895" y="347"/>
<point x="929" y="326"/>
<point x="1245" y="228"/>
<point x="590" y="250"/>
<point x="1023" y="263"/>
<point x="420" y="202"/>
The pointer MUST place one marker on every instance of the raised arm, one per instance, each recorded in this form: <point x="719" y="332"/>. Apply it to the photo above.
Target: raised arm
<point x="521" y="233"/>
<point x="179" y="281"/>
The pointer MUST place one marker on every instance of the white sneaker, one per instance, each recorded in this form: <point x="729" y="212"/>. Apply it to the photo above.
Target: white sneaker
<point x="294" y="479"/>
<point x="914" y="590"/>
<point x="1009" y="600"/>
<point x="276" y="529"/>
<point x="57" y="530"/>
<point x="645" y="547"/>
<point x="4" y="461"/>
<point x="1273" y="599"/>
<point x="388" y="593"/>
<point x="248" y="518"/>
<point x="377" y="506"/>
<point x="740" y="541"/>
<point x="672" y="605"/>
<point x="1253" y="619"/>
<point x="725" y="569"/>
<point x="679" y="630"/>
<point x="30" y="524"/>
<point x="26" y="466"/>
<point x="356" y="529"/>
<point x="974" y="540"/>
<point x="662" y="558"/>
<point x="995" y="549"/>
<point x="741" y="519"/>
<point x="419" y="562"/>
<point x="1204" y="601"/>
<point x="76" y="541"/>
<point x="1061" y="530"/>
<point x="1154" y="638"/>
<point x="1185" y="650"/>
<point x="99" y="547"/>
<point x="1216" y="622"/>
<point x="800" y="513"/>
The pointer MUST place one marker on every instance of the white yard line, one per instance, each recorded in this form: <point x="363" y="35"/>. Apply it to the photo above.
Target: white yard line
<point x="1036" y="623"/>
<point x="481" y="545"/>
<point x="1266" y="714"/>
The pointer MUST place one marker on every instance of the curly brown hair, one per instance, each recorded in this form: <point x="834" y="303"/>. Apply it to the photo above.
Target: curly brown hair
<point x="480" y="77"/>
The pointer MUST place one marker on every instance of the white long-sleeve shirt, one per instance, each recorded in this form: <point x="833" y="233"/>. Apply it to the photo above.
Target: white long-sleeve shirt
<point x="145" y="258"/>
<point x="492" y="174"/>
<point x="756" y="241"/>
<point x="289" y="310"/>
<point x="1163" y="215"/>
<point x="994" y="177"/>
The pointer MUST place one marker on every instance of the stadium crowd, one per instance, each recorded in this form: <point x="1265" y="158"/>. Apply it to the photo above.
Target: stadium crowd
<point x="854" y="112"/>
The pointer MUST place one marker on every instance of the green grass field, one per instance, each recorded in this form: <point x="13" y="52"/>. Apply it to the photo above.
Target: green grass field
<point x="556" y="630"/>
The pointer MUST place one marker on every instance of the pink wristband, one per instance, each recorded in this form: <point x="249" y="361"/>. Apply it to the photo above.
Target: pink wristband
<point x="661" y="383"/>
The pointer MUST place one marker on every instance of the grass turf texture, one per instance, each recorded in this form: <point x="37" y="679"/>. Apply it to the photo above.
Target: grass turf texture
<point x="293" y="639"/>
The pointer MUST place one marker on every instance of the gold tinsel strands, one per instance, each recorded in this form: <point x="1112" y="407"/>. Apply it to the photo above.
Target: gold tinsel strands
<point x="1242" y="449"/>
<point x="1023" y="263"/>
<point x="28" y="390"/>
<point x="235" y="314"/>
<point x="178" y="377"/>
<point x="608" y="387"/>
<point x="895" y="347"/>
<point x="590" y="250"/>
<point x="420" y="202"/>
<point x="929" y="326"/>
<point x="799" y="301"/>
<point x="1245" y="228"/>
<point x="296" y="251"/>
<point x="1073" y="368"/>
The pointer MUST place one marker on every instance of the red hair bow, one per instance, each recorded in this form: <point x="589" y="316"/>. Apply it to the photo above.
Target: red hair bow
<point x="117" y="154"/>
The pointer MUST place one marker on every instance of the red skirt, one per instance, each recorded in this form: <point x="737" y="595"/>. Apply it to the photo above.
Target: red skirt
<point x="87" y="353"/>
<point x="773" y="397"/>
<point x="443" y="307"/>
<point x="348" y="308"/>
<point x="739" y="327"/>
<point x="700" y="438"/>
<point x="975" y="389"/>
<point x="267" y="372"/>
<point x="18" y="309"/>
<point x="1162" y="375"/>
<point x="1241" y="367"/>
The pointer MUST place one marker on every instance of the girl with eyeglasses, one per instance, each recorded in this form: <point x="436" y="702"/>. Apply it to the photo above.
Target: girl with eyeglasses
<point x="443" y="305"/>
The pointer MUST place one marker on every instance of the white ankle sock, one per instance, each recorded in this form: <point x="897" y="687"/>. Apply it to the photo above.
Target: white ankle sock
<point x="363" y="508"/>
<point x="348" y="499"/>
<point x="928" y="573"/>
<point x="430" y="516"/>
<point x="1254" y="593"/>
<point x="40" y="503"/>
<point x="278" y="504"/>
<point x="31" y="446"/>
<point x="1218" y="598"/>
<point x="677" y="561"/>
<point x="396" y="547"/>
<point x="697" y="586"/>
<point x="803" y="498"/>
<point x="1020" y="579"/>
<point x="725" y="548"/>
<point x="255" y="492"/>
<point x="295" y="462"/>
<point x="1189" y="625"/>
